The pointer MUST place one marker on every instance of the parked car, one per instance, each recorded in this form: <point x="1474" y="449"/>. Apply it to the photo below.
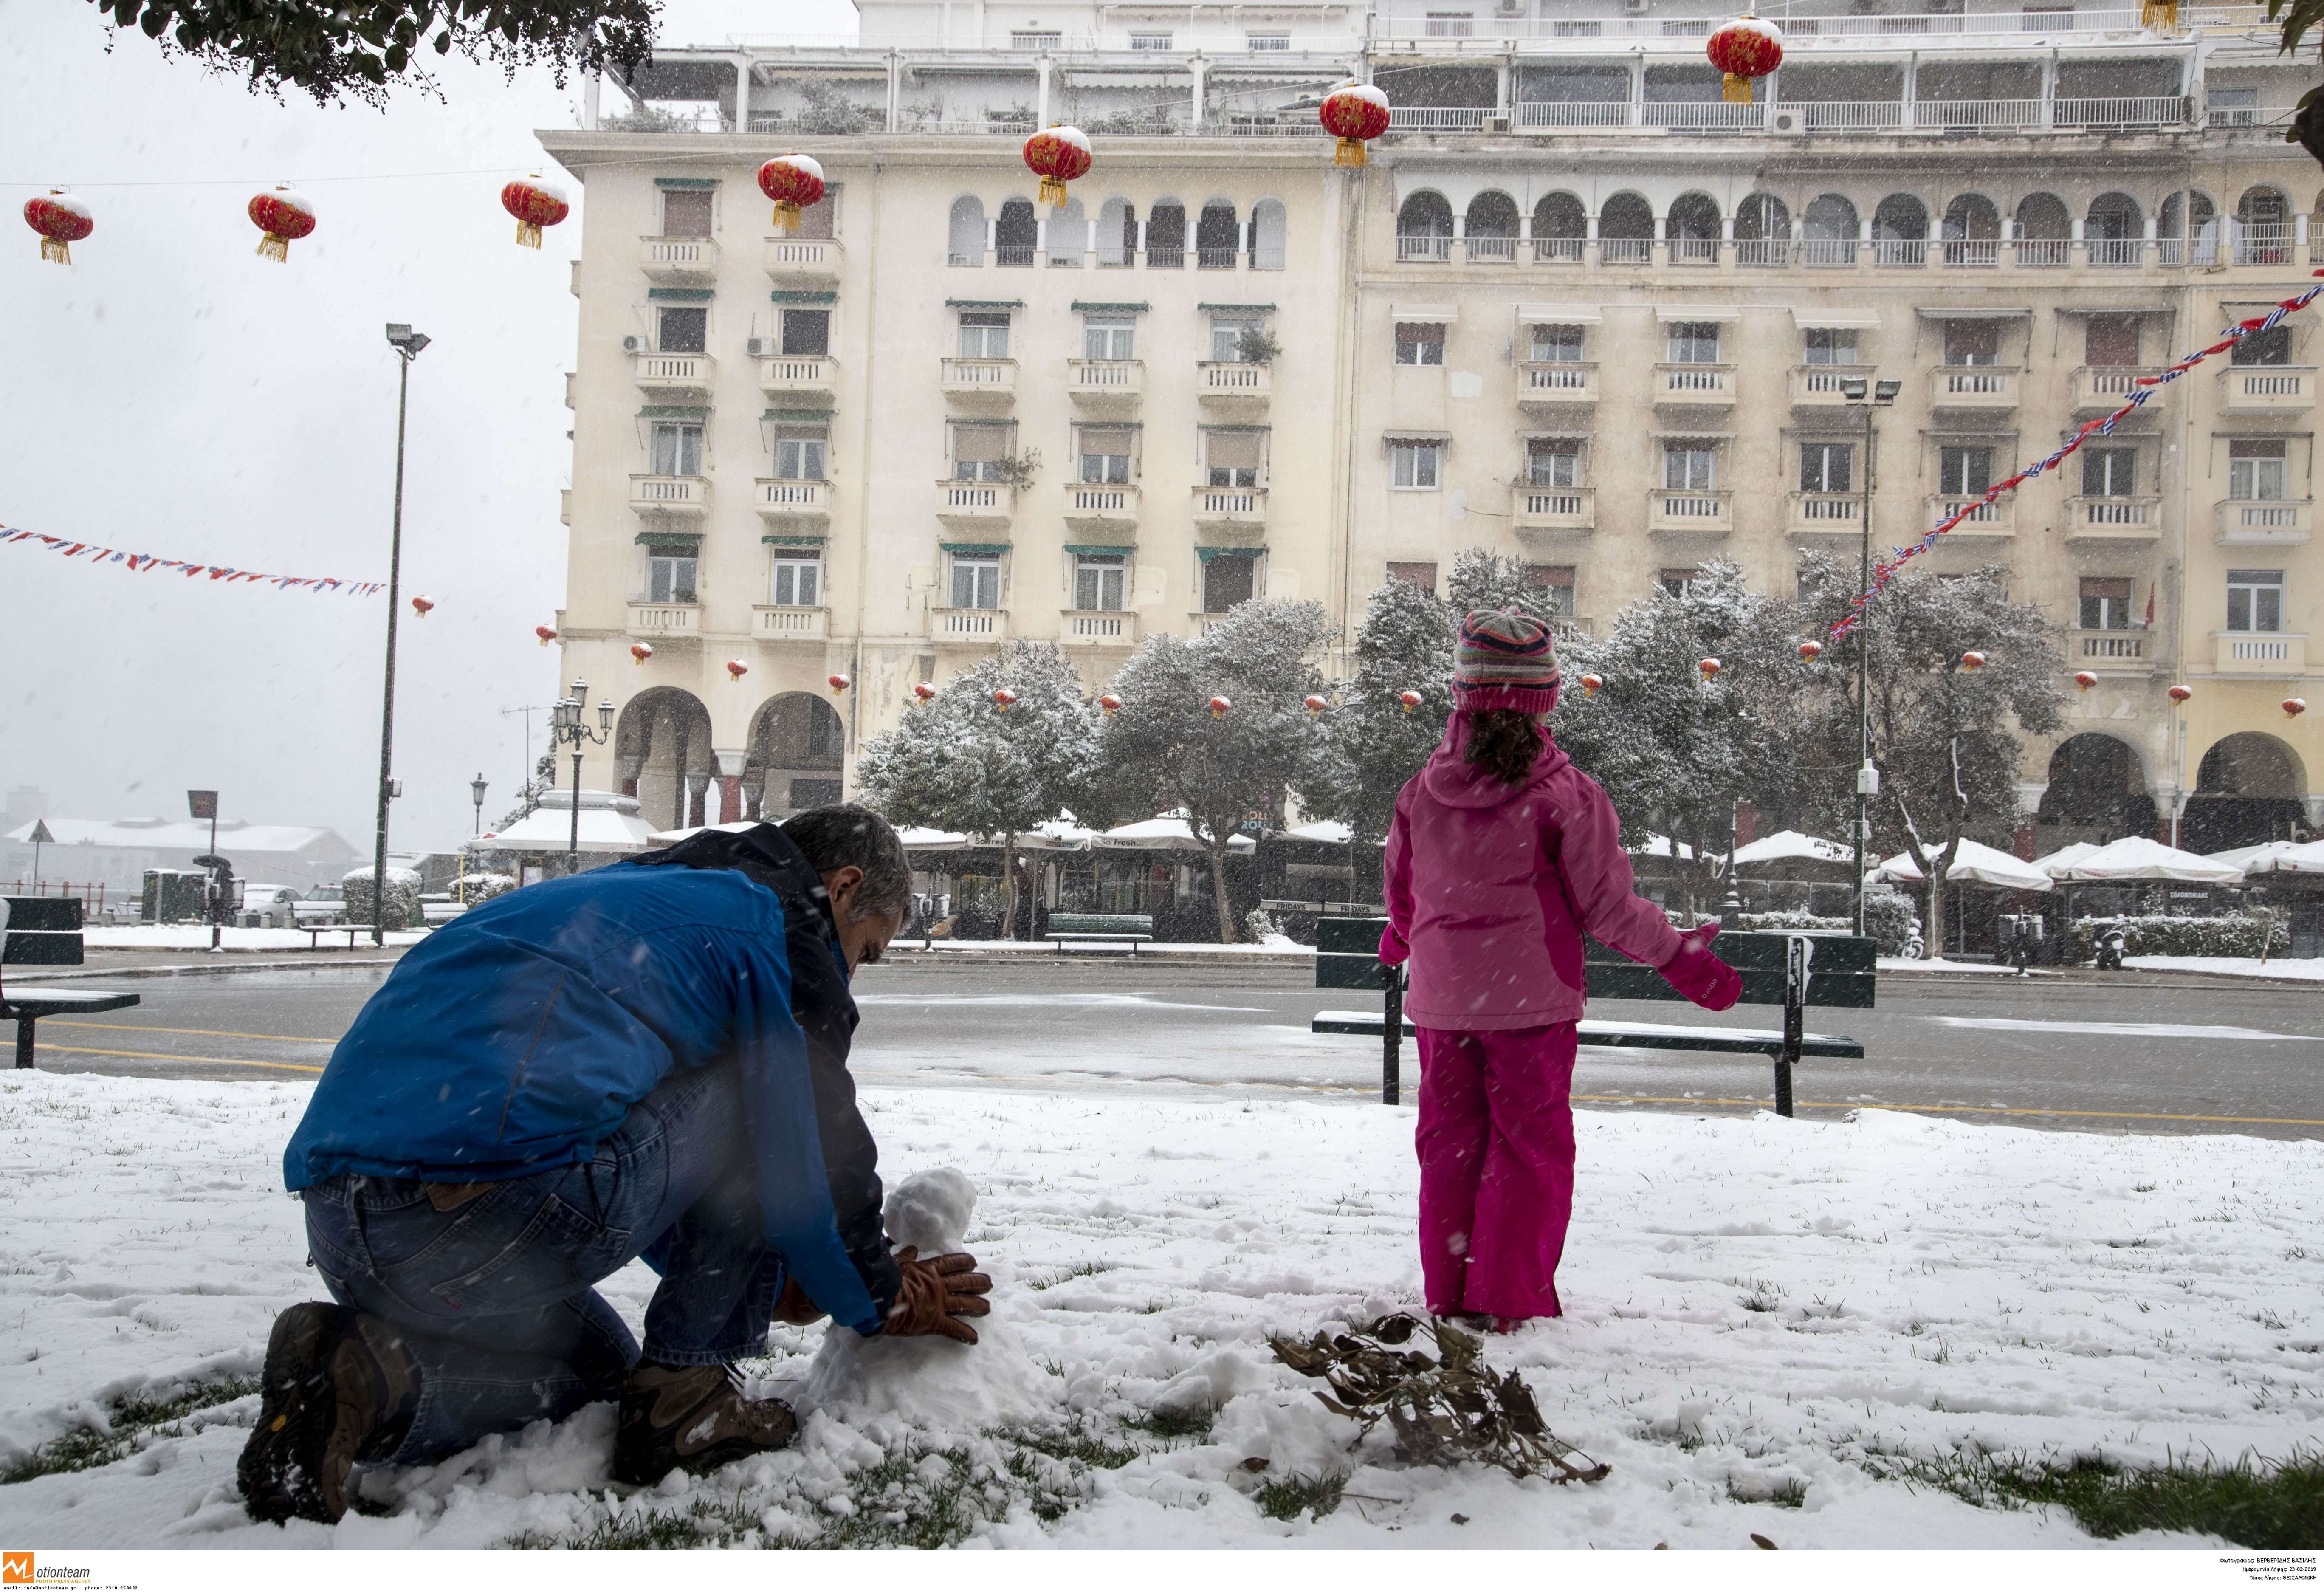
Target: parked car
<point x="324" y="903"/>
<point x="269" y="906"/>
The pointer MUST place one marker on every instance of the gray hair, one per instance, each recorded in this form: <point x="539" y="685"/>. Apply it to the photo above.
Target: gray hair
<point x="845" y="834"/>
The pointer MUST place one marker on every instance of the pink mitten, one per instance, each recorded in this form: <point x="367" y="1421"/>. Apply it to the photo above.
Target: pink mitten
<point x="1698" y="974"/>
<point x="1392" y="949"/>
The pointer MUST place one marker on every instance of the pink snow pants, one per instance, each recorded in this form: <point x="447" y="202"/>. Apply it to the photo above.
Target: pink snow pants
<point x="1496" y="1143"/>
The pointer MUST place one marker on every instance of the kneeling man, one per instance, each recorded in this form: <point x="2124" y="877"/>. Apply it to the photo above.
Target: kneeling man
<point x="646" y="1060"/>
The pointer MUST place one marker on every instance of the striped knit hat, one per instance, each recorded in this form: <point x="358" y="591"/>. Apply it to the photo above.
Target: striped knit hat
<point x="1504" y="660"/>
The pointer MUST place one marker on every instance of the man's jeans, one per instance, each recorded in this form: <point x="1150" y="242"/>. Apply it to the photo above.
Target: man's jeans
<point x="494" y="1296"/>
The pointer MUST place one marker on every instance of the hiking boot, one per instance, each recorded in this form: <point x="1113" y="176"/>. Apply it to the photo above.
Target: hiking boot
<point x="692" y="1418"/>
<point x="340" y="1388"/>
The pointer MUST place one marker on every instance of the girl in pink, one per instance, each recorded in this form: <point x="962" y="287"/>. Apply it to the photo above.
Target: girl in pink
<point x="1502" y="856"/>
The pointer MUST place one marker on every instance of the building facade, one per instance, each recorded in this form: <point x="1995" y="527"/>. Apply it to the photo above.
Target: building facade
<point x="1578" y="310"/>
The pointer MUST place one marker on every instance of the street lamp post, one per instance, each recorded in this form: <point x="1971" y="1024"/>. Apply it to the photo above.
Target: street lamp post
<point x="476" y="795"/>
<point x="407" y="345"/>
<point x="567" y="726"/>
<point x="1871" y="394"/>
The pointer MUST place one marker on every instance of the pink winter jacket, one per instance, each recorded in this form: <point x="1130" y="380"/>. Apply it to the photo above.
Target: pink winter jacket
<point x="1490" y="887"/>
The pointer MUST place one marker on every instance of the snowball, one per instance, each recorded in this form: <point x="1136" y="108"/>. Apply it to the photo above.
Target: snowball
<point x="929" y="1210"/>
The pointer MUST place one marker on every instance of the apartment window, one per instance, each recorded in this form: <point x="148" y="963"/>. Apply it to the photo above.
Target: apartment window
<point x="1267" y="41"/>
<point x="1964" y="472"/>
<point x="1149" y="41"/>
<point x="1577" y="28"/>
<point x="685" y="212"/>
<point x="798" y="452"/>
<point x="975" y="581"/>
<point x="1558" y="345"/>
<point x="2110" y="340"/>
<point x="1420" y="342"/>
<point x="2105" y="603"/>
<point x="2254" y="599"/>
<point x="2255" y="467"/>
<point x="1827" y="466"/>
<point x="983" y="335"/>
<point x="1229" y="578"/>
<point x="1028" y="39"/>
<point x="2109" y="472"/>
<point x="1423" y="575"/>
<point x="1676" y="583"/>
<point x="1688" y="467"/>
<point x="677" y="448"/>
<point x="1832" y="344"/>
<point x="798" y="580"/>
<point x="1551" y="586"/>
<point x="1553" y="461"/>
<point x="807" y="333"/>
<point x="1451" y="25"/>
<point x="1227" y="333"/>
<point x="669" y="572"/>
<point x="1098" y="581"/>
<point x="1109" y="337"/>
<point x="1972" y="342"/>
<point x="2271" y="346"/>
<point x="1104" y="452"/>
<point x="1694" y="342"/>
<point x="682" y="331"/>
<point x="1234" y="457"/>
<point x="1414" y="464"/>
<point x="978" y="452"/>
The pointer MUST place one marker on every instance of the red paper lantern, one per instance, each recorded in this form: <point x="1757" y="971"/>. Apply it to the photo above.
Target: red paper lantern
<point x="1315" y="705"/>
<point x="1410" y="699"/>
<point x="2084" y="679"/>
<point x="535" y="202"/>
<point x="2294" y="706"/>
<point x="794" y="181"/>
<point x="925" y="692"/>
<point x="640" y="653"/>
<point x="1056" y="155"/>
<point x="1749" y="47"/>
<point x="737" y="669"/>
<point x="2179" y="694"/>
<point x="1592" y="684"/>
<point x="545" y="633"/>
<point x="1811" y="650"/>
<point x="1709" y="668"/>
<point x="837" y="682"/>
<point x="61" y="220"/>
<point x="1972" y="661"/>
<point x="1355" y="114"/>
<point x="284" y="216"/>
<point x="1111" y="704"/>
<point x="1004" y="699"/>
<point x="1221" y="707"/>
<point x="420" y="606"/>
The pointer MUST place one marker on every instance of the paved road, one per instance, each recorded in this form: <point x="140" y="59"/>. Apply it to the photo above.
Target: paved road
<point x="2142" y="1054"/>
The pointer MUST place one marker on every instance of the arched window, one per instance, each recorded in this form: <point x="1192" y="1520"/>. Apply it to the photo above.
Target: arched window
<point x="1763" y="231"/>
<point x="1270" y="229"/>
<point x="1559" y="226"/>
<point x="1069" y="234"/>
<point x="2187" y="229"/>
<point x="1117" y="233"/>
<point x="2115" y="231"/>
<point x="1900" y="231"/>
<point x="1218" y="235"/>
<point x="966" y="232"/>
<point x="1972" y="231"/>
<point x="2045" y="231"/>
<point x="2265" y="216"/>
<point x="1625" y="230"/>
<point x="1829" y="232"/>
<point x="1017" y="235"/>
<point x="1490" y="228"/>
<point x="1692" y="230"/>
<point x="1165" y="235"/>
<point x="1423" y="228"/>
<point x="2097" y="789"/>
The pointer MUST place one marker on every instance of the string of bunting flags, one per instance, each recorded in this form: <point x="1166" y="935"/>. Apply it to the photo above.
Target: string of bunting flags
<point x="144" y="562"/>
<point x="1885" y="568"/>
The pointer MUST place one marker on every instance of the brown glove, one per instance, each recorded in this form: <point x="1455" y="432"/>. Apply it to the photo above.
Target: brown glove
<point x="935" y="1294"/>
<point x="795" y="1309"/>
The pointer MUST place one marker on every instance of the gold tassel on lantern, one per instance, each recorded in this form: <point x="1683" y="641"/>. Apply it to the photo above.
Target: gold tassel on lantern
<point x="1350" y="153"/>
<point x="56" y="249"/>
<point x="274" y="246"/>
<point x="1053" y="190"/>
<point x="1735" y="90"/>
<point x="786" y="217"/>
<point x="2159" y="14"/>
<point x="528" y="233"/>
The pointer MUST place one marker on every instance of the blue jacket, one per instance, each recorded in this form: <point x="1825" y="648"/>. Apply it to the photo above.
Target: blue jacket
<point x="516" y="1037"/>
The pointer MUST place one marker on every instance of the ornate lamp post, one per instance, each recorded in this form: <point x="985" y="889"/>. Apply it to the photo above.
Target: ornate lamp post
<point x="1871" y="395"/>
<point x="476" y="795"/>
<point x="567" y="726"/>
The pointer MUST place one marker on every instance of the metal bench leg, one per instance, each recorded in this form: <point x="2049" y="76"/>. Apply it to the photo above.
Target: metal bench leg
<point x="1795" y="1002"/>
<point x="24" y="1042"/>
<point x="1392" y="1040"/>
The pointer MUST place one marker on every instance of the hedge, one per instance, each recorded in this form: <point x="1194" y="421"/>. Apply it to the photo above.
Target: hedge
<point x="2254" y="935"/>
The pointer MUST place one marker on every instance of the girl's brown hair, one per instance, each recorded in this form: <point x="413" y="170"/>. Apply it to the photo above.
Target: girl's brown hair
<point x="1505" y="743"/>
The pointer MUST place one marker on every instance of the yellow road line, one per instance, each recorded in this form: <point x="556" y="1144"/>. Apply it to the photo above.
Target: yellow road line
<point x="292" y="1039"/>
<point x="201" y="1060"/>
<point x="1973" y="1110"/>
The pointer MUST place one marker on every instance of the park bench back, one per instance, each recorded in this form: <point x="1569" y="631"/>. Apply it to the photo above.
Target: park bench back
<point x="1101" y="923"/>
<point x="42" y="931"/>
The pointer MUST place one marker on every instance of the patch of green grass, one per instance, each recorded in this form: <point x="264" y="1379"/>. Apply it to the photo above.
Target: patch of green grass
<point x="133" y="1420"/>
<point x="1086" y="1269"/>
<point x="1076" y="1446"/>
<point x="1173" y="1424"/>
<point x="1315" y="1497"/>
<point x="2251" y="1503"/>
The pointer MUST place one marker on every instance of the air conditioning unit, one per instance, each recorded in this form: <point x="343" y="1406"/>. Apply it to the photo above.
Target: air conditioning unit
<point x="1787" y="122"/>
<point x="1496" y="123"/>
<point x="1510" y="8"/>
<point x="1944" y="7"/>
<point x="1634" y="7"/>
<point x="763" y="347"/>
<point x="629" y="345"/>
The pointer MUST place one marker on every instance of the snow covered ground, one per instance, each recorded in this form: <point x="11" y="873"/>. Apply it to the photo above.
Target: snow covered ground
<point x="196" y="937"/>
<point x="1762" y="1313"/>
<point x="2234" y="967"/>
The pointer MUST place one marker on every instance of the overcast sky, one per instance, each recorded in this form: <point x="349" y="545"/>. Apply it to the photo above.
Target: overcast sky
<point x="172" y="393"/>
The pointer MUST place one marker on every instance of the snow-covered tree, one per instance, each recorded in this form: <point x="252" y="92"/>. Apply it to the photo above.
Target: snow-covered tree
<point x="1168" y="746"/>
<point x="960" y="762"/>
<point x="403" y="896"/>
<point x="1944" y="736"/>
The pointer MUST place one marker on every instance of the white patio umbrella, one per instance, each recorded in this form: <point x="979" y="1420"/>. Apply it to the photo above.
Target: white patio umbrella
<point x="2278" y="856"/>
<point x="2135" y="860"/>
<point x="672" y="836"/>
<point x="919" y="839"/>
<point x="1790" y="845"/>
<point x="2064" y="857"/>
<point x="1973" y="864"/>
<point x="609" y="823"/>
<point x="1329" y="831"/>
<point x="1662" y="845"/>
<point x="1167" y="834"/>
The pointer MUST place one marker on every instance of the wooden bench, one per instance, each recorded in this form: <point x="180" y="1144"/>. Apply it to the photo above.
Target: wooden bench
<point x="1106" y="928"/>
<point x="1793" y="971"/>
<point x="315" y="932"/>
<point x="45" y="931"/>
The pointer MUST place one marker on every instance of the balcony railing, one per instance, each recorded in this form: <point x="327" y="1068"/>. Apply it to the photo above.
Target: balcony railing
<point x="1105" y="381"/>
<point x="1236" y="507"/>
<point x="2265" y="521"/>
<point x="2107" y="646"/>
<point x="1090" y="503"/>
<point x="669" y="495"/>
<point x="2103" y="388"/>
<point x="678" y="259"/>
<point x="1973" y="387"/>
<point x="782" y="499"/>
<point x="672" y="374"/>
<point x="1552" y="508"/>
<point x="1557" y="251"/>
<point x="1682" y="385"/>
<point x="2116" y="252"/>
<point x="1230" y="381"/>
<point x="990" y="381"/>
<point x="1827" y="513"/>
<point x="2259" y="652"/>
<point x="799" y="376"/>
<point x="1997" y="518"/>
<point x="1424" y="246"/>
<point x="1548" y="381"/>
<point x="1490" y="249"/>
<point x="2113" y="519"/>
<point x="981" y="627"/>
<point x="2268" y="389"/>
<point x="651" y="619"/>
<point x="1704" y="115"/>
<point x="1689" y="511"/>
<point x="1817" y="386"/>
<point x="794" y="260"/>
<point x="1625" y="251"/>
<point x="1418" y="118"/>
<point x="1693" y="251"/>
<point x="1406" y="34"/>
<point x="1099" y="627"/>
<point x="768" y="623"/>
<point x="977" y="502"/>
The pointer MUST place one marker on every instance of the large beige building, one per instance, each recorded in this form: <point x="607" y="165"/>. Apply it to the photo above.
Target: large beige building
<point x="1577" y="309"/>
